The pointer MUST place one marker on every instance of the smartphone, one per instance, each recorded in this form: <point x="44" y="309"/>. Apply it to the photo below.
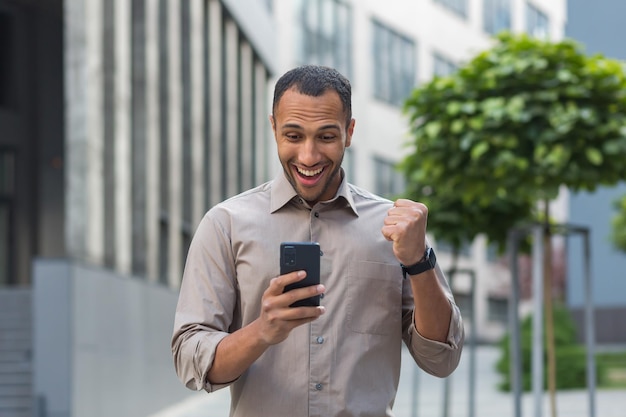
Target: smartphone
<point x="296" y="256"/>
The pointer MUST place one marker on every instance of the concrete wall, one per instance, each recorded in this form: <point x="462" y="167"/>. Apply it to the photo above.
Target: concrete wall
<point x="101" y="343"/>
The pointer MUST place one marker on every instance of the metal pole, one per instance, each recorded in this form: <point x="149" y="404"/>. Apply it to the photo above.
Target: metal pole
<point x="472" y="346"/>
<point x="590" y="328"/>
<point x="445" y="412"/>
<point x="514" y="342"/>
<point x="537" y="330"/>
<point x="415" y="391"/>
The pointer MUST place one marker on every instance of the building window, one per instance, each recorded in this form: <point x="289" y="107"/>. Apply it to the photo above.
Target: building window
<point x="326" y="34"/>
<point x="394" y="65"/>
<point x="497" y="16"/>
<point x="442" y="66"/>
<point x="388" y="182"/>
<point x="465" y="303"/>
<point x="163" y="252"/>
<point x="185" y="59"/>
<point x="109" y="91"/>
<point x="497" y="310"/>
<point x="457" y="6"/>
<point x="164" y="260"/>
<point x="138" y="141"/>
<point x="537" y="22"/>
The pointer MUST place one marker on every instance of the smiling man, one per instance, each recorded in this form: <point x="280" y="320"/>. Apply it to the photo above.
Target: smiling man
<point x="380" y="283"/>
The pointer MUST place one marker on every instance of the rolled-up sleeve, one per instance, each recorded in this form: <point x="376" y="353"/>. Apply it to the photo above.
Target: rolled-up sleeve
<point x="437" y="358"/>
<point x="206" y="304"/>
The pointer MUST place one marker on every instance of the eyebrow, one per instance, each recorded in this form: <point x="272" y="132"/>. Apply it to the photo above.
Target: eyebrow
<point x="297" y="126"/>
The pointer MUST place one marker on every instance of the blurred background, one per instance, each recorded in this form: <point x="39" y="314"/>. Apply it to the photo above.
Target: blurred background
<point x="123" y="121"/>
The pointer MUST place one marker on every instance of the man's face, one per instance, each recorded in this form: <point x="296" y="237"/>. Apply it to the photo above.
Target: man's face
<point x="311" y="137"/>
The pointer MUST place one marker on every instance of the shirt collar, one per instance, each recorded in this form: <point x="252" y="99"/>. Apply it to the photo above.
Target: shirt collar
<point x="282" y="193"/>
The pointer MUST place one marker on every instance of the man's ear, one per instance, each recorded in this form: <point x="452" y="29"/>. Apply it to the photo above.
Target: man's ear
<point x="272" y="122"/>
<point x="349" y="132"/>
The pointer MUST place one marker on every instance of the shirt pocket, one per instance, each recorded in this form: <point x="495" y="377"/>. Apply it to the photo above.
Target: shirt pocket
<point x="374" y="296"/>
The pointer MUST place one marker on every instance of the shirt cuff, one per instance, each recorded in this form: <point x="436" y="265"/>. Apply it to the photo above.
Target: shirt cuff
<point x="456" y="333"/>
<point x="435" y="357"/>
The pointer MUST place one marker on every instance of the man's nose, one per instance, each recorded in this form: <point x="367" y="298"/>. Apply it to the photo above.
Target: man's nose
<point x="309" y="154"/>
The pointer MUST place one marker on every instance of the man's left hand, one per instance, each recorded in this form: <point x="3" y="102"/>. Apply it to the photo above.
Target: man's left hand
<point x="405" y="226"/>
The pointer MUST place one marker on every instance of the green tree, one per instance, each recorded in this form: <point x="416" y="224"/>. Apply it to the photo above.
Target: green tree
<point x="507" y="130"/>
<point x="519" y="121"/>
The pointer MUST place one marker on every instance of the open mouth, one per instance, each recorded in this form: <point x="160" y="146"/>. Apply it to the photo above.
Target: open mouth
<point x="309" y="176"/>
<point x="309" y="172"/>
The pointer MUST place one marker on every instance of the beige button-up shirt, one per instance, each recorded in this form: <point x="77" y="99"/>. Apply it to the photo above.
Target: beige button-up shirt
<point x="347" y="362"/>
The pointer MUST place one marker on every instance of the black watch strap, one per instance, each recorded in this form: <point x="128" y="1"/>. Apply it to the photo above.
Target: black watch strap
<point x="427" y="263"/>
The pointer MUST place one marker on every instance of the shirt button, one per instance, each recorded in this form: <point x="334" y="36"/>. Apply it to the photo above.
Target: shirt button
<point x="316" y="214"/>
<point x="318" y="387"/>
<point x="320" y="339"/>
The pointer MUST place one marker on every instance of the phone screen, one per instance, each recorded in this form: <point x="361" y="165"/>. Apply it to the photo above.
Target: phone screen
<point x="296" y="256"/>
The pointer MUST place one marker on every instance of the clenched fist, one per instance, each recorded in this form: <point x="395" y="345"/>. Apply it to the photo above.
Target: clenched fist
<point x="405" y="226"/>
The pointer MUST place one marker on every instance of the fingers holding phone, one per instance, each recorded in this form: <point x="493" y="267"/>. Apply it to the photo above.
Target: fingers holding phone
<point x="301" y="292"/>
<point x="277" y="317"/>
<point x="293" y="298"/>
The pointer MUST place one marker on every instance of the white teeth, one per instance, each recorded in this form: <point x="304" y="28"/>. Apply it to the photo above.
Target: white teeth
<point x="309" y="173"/>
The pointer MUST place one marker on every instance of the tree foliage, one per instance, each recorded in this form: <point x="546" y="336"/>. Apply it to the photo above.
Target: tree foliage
<point x="508" y="129"/>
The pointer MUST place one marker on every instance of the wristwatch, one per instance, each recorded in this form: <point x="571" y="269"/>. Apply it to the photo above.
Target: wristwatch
<point x="427" y="263"/>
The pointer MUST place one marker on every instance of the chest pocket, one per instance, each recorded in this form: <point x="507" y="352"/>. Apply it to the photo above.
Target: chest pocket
<point x="374" y="296"/>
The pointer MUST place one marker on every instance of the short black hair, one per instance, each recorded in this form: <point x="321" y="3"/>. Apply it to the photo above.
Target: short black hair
<point x="315" y="80"/>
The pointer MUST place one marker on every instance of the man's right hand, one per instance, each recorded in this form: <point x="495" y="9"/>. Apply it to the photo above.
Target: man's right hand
<point x="277" y="319"/>
<point x="237" y="351"/>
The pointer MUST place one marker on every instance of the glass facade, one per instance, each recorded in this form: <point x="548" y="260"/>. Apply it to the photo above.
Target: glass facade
<point x="498" y="310"/>
<point x="442" y="66"/>
<point x="177" y="122"/>
<point x="394" y="58"/>
<point x="457" y="6"/>
<point x="496" y="16"/>
<point x="537" y="22"/>
<point x="389" y="182"/>
<point x="326" y="34"/>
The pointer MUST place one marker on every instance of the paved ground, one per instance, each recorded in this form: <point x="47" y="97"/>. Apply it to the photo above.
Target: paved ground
<point x="428" y="398"/>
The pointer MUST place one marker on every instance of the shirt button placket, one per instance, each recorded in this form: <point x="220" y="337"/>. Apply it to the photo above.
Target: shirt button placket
<point x="319" y="371"/>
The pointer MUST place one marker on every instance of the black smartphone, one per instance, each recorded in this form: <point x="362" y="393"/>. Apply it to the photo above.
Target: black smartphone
<point x="296" y="256"/>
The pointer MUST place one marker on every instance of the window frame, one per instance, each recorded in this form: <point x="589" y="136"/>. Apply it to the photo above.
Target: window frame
<point x="395" y="64"/>
<point x="495" y="12"/>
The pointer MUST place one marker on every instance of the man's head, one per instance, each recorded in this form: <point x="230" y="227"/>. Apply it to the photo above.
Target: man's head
<point x="312" y="123"/>
<point x="315" y="80"/>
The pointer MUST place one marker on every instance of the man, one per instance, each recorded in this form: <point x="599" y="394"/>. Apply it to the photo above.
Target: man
<point x="234" y="324"/>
